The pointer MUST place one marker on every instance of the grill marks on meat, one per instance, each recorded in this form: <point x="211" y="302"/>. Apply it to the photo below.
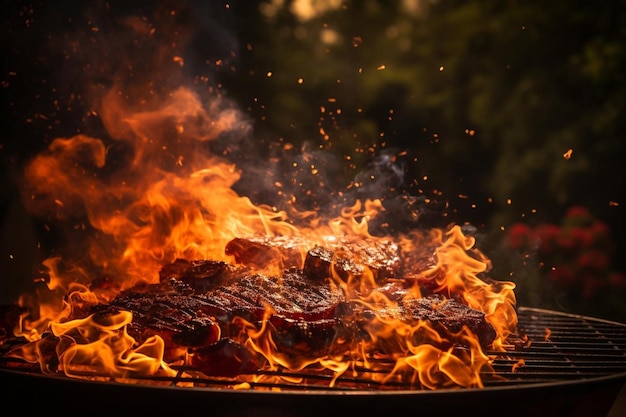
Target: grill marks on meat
<point x="353" y="258"/>
<point x="289" y="296"/>
<point x="302" y="313"/>
<point x="181" y="319"/>
<point x="344" y="257"/>
<point x="264" y="251"/>
<point x="199" y="304"/>
<point x="447" y="316"/>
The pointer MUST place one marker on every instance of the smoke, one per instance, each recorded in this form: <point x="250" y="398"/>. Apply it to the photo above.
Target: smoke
<point x="145" y="82"/>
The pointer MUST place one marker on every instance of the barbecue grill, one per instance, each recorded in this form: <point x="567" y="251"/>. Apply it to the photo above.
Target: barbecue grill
<point x="570" y="365"/>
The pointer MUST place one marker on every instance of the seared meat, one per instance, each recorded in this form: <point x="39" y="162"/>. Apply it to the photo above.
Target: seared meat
<point x="343" y="257"/>
<point x="264" y="251"/>
<point x="201" y="275"/>
<point x="181" y="319"/>
<point x="211" y="307"/>
<point x="302" y="313"/>
<point x="290" y="296"/>
<point x="446" y="316"/>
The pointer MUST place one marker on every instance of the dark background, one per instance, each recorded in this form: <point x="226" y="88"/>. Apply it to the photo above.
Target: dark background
<point x="470" y="105"/>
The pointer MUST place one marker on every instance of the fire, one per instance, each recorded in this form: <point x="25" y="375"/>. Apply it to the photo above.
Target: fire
<point x="153" y="194"/>
<point x="91" y="350"/>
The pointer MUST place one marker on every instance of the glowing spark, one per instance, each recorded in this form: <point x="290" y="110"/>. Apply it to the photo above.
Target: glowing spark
<point x="568" y="154"/>
<point x="441" y="68"/>
<point x="381" y="67"/>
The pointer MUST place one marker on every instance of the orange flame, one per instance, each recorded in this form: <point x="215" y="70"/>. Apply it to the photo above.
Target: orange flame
<point x="163" y="198"/>
<point x="458" y="274"/>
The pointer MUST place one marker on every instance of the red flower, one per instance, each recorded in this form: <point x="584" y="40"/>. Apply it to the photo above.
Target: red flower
<point x="601" y="234"/>
<point x="582" y="235"/>
<point x="547" y="236"/>
<point x="567" y="242"/>
<point x="519" y="236"/>
<point x="563" y="275"/>
<point x="578" y="213"/>
<point x="593" y="259"/>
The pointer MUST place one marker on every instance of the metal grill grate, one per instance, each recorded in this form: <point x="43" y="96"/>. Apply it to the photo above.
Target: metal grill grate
<point x="563" y="347"/>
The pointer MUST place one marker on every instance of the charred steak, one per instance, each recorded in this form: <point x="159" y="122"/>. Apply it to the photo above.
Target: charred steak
<point x="208" y="306"/>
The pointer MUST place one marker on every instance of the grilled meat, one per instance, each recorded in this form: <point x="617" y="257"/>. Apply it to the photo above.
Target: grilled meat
<point x="201" y="275"/>
<point x="264" y="251"/>
<point x="211" y="306"/>
<point x="348" y="257"/>
<point x="301" y="313"/>
<point x="446" y="316"/>
<point x="179" y="317"/>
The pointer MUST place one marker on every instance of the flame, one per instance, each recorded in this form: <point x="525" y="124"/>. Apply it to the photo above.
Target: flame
<point x="519" y="364"/>
<point x="458" y="274"/>
<point x="547" y="334"/>
<point x="152" y="194"/>
<point x="86" y="348"/>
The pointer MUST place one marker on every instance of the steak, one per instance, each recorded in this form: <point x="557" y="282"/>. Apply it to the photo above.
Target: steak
<point x="201" y="275"/>
<point x="180" y="318"/>
<point x="302" y="314"/>
<point x="353" y="258"/>
<point x="264" y="251"/>
<point x="210" y="307"/>
<point x="447" y="317"/>
<point x="346" y="256"/>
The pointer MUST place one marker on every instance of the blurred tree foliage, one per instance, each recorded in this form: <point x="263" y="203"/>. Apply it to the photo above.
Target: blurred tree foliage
<point x="508" y="110"/>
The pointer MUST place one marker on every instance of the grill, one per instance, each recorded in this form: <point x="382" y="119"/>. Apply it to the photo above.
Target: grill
<point x="569" y="365"/>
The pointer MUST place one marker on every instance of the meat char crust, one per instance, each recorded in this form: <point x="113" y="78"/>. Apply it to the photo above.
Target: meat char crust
<point x="200" y="303"/>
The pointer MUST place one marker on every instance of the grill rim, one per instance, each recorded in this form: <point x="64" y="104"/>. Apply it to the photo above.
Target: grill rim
<point x="607" y="379"/>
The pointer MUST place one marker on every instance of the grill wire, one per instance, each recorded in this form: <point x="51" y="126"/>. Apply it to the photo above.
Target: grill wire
<point x="551" y="347"/>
